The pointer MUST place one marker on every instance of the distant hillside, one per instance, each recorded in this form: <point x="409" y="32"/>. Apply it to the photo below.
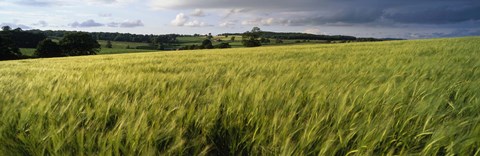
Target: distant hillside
<point x="172" y="38"/>
<point x="306" y="36"/>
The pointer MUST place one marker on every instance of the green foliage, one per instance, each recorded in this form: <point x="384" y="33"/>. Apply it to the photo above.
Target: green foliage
<point x="223" y="46"/>
<point x="6" y="28"/>
<point x="250" y="39"/>
<point x="8" y="49"/>
<point x="305" y="36"/>
<point x="207" y="44"/>
<point x="278" y="41"/>
<point x="148" y="47"/>
<point x="109" y="44"/>
<point x="117" y="48"/>
<point x="416" y="97"/>
<point x="29" y="52"/>
<point x="48" y="48"/>
<point x="79" y="43"/>
<point x="23" y="39"/>
<point x="256" y="30"/>
<point x="209" y="36"/>
<point x="264" y="40"/>
<point x="251" y="42"/>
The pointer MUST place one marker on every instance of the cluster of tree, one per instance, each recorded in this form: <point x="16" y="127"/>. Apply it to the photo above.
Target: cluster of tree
<point x="207" y="44"/>
<point x="305" y="36"/>
<point x="300" y="36"/>
<point x="256" y="37"/>
<point x="251" y="38"/>
<point x="72" y="44"/>
<point x="8" y="48"/>
<point x="13" y="39"/>
<point x="23" y="39"/>
<point x="296" y="36"/>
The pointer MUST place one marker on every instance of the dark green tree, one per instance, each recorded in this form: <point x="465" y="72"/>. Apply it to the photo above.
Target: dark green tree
<point x="207" y="44"/>
<point x="264" y="40"/>
<point x="8" y="49"/>
<point x="256" y="30"/>
<point x="23" y="39"/>
<point x="48" y="48"/>
<point x="161" y="46"/>
<point x="223" y="46"/>
<point x="232" y="39"/>
<point x="6" y="28"/>
<point x="250" y="39"/>
<point x="79" y="43"/>
<point x="209" y="36"/>
<point x="278" y="41"/>
<point x="109" y="44"/>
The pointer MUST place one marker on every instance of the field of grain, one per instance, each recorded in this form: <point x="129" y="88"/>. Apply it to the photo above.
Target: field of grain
<point x="399" y="97"/>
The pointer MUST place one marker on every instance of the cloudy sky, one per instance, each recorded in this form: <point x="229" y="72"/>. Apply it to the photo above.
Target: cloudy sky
<point x="364" y="18"/>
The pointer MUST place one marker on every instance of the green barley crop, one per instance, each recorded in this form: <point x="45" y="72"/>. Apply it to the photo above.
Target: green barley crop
<point x="419" y="97"/>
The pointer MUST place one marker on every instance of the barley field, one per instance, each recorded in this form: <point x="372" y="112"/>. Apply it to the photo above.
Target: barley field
<point x="418" y="97"/>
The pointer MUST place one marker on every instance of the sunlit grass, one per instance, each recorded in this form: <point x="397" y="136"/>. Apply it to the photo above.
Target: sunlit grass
<point x="401" y="97"/>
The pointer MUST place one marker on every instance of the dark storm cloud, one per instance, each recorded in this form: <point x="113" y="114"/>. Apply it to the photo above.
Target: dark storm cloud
<point x="455" y="33"/>
<point x="459" y="32"/>
<point x="352" y="16"/>
<point x="327" y="12"/>
<point x="437" y="15"/>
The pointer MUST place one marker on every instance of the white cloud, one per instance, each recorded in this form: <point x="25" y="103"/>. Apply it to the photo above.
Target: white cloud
<point x="44" y="3"/>
<point x="228" y="24"/>
<point x="313" y="31"/>
<point x="180" y="20"/>
<point x="126" y="24"/>
<point x="267" y="22"/>
<point x="41" y="23"/>
<point x="183" y="20"/>
<point x="231" y="12"/>
<point x="221" y="4"/>
<point x="105" y="15"/>
<point x="197" y="23"/>
<point x="131" y="24"/>
<point x="86" y="24"/>
<point x="198" y="13"/>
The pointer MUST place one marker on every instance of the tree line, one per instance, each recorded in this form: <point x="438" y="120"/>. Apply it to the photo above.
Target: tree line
<point x="122" y="37"/>
<point x="256" y="37"/>
<point x="258" y="33"/>
<point x="72" y="44"/>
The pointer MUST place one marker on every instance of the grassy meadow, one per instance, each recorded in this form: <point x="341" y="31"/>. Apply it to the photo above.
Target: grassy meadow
<point x="117" y="48"/>
<point x="419" y="97"/>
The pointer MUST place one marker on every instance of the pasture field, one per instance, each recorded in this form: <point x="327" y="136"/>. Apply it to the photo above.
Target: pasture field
<point x="117" y="48"/>
<point x="418" y="97"/>
<point x="121" y="47"/>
